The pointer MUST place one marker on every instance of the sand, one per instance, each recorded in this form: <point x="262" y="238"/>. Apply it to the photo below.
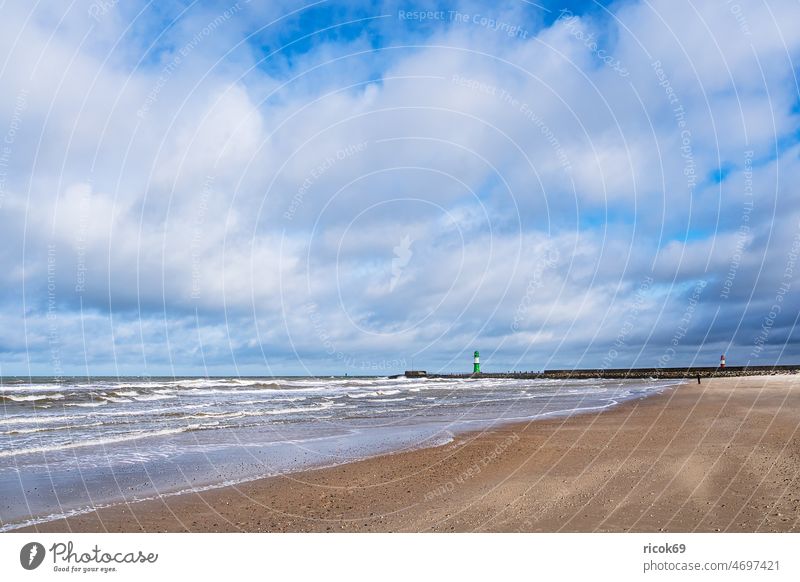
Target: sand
<point x="721" y="456"/>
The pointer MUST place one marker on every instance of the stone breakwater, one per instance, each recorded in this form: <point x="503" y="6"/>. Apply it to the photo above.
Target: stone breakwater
<point x="633" y="373"/>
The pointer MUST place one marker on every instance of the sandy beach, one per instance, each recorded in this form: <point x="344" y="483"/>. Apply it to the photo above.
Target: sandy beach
<point x="723" y="456"/>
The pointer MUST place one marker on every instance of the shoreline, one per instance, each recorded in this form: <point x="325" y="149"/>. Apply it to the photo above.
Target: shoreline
<point x="238" y="455"/>
<point x="613" y="470"/>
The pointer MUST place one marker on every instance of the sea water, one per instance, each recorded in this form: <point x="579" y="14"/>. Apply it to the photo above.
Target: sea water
<point x="68" y="446"/>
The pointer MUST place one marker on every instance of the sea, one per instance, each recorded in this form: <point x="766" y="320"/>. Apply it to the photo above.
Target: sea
<point x="71" y="445"/>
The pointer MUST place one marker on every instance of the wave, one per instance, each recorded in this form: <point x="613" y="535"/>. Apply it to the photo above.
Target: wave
<point x="21" y="431"/>
<point x="233" y="391"/>
<point x="196" y="388"/>
<point x="303" y="409"/>
<point x="373" y="393"/>
<point x="106" y="441"/>
<point x="151" y="397"/>
<point x="93" y="404"/>
<point x="33" y="388"/>
<point x="201" y="415"/>
<point x="32" y="397"/>
<point x="41" y="418"/>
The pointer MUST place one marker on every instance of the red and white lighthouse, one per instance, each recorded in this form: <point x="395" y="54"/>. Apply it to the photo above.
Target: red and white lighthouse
<point x="722" y="361"/>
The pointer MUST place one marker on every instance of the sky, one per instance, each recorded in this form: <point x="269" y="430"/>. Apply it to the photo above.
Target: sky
<point x="288" y="187"/>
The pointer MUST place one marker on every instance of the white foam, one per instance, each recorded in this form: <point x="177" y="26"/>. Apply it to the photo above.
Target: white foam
<point x="20" y="431"/>
<point x="34" y="388"/>
<point x="35" y="397"/>
<point x="303" y="409"/>
<point x="102" y="441"/>
<point x="373" y="394"/>
<point x="117" y="400"/>
<point x="41" y="418"/>
<point x="94" y="404"/>
<point x="151" y="397"/>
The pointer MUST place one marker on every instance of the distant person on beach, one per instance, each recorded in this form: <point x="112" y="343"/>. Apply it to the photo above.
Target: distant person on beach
<point x="698" y="378"/>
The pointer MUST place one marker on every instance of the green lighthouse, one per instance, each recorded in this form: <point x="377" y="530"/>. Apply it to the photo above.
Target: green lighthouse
<point x="476" y="363"/>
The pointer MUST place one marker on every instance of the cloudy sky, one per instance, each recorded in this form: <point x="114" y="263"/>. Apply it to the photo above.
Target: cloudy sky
<point x="340" y="187"/>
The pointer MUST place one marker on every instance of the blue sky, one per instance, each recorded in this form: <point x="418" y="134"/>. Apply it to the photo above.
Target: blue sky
<point x="331" y="187"/>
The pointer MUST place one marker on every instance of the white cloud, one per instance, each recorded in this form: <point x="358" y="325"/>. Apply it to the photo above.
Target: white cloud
<point x="488" y="152"/>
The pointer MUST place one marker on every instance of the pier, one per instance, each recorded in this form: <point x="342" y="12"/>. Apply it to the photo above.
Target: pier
<point x="629" y="373"/>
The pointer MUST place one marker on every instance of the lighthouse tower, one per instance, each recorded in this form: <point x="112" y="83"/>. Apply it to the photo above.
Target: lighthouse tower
<point x="476" y="363"/>
<point x="722" y="361"/>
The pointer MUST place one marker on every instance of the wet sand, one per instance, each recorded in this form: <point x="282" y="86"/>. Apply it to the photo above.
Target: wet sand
<point x="721" y="456"/>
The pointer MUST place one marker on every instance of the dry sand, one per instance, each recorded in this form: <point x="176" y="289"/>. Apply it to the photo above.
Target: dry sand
<point x="722" y="456"/>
